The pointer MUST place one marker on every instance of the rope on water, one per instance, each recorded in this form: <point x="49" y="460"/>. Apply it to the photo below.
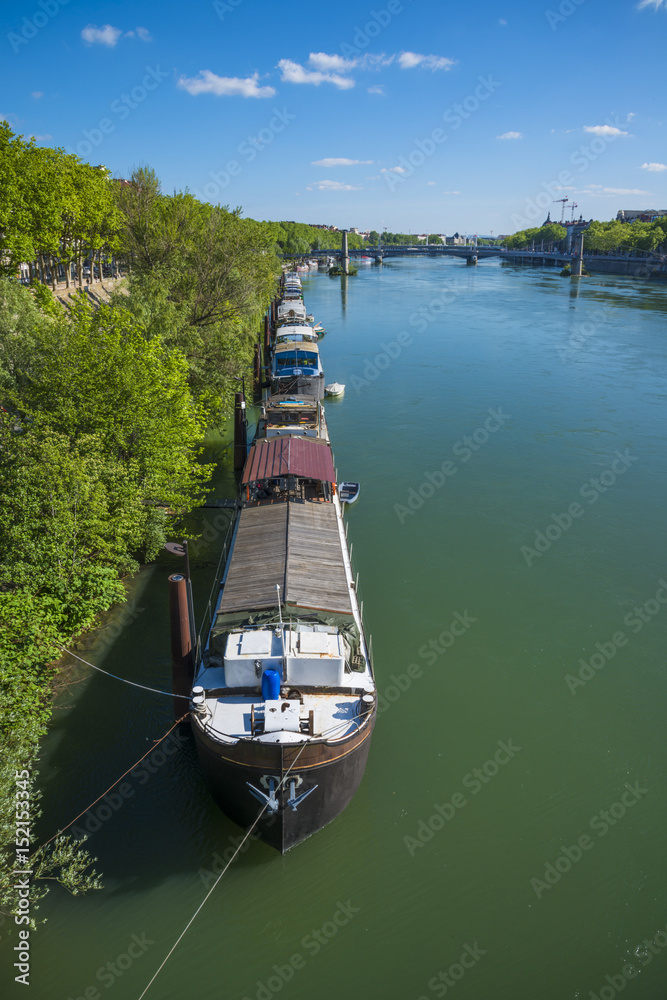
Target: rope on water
<point x="230" y="862"/>
<point x="144" y="687"/>
<point x="155" y="744"/>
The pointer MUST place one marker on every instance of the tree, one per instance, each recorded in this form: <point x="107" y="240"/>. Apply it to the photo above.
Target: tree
<point x="553" y="233"/>
<point x="16" y="243"/>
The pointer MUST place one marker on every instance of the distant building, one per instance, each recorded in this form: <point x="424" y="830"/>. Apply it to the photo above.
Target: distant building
<point x="353" y="229"/>
<point x="641" y="215"/>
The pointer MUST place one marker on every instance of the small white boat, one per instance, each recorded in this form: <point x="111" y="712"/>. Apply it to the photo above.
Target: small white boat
<point x="335" y="389"/>
<point x="319" y="330"/>
<point x="348" y="492"/>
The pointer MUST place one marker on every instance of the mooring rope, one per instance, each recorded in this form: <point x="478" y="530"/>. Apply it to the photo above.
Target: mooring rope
<point x="144" y="687"/>
<point x="230" y="862"/>
<point x="155" y="744"/>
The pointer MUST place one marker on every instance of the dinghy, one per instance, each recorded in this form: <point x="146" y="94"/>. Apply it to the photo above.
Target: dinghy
<point x="348" y="492"/>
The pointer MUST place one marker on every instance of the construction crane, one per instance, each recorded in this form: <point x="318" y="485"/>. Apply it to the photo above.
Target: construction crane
<point x="573" y="205"/>
<point x="556" y="202"/>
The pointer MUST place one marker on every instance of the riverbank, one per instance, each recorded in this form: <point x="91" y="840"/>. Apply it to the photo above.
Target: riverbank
<point x="646" y="269"/>
<point x="105" y="406"/>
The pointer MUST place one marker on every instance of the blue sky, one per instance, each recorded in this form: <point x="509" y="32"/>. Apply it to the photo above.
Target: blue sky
<point x="414" y="115"/>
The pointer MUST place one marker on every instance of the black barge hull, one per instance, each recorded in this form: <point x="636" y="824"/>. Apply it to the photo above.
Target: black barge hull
<point x="304" y="794"/>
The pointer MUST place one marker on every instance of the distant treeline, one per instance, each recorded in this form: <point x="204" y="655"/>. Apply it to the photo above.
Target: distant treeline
<point x="599" y="237"/>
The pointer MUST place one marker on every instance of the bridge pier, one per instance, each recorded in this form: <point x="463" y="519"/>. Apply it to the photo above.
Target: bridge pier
<point x="578" y="261"/>
<point x="345" y="254"/>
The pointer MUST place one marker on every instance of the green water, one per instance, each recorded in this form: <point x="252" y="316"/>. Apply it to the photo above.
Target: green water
<point x="474" y="640"/>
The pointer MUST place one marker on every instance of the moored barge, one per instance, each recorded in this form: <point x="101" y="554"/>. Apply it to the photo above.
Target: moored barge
<point x="284" y="698"/>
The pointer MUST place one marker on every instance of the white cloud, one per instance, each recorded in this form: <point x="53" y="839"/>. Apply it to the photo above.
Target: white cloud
<point x="143" y="34"/>
<point x="604" y="130"/>
<point x="338" y="161"/>
<point x="408" y="60"/>
<point x="502" y="21"/>
<point x="106" y="35"/>
<point x="656" y="4"/>
<point x="430" y="183"/>
<point x="394" y="170"/>
<point x="451" y="192"/>
<point x="332" y="186"/>
<point x="654" y="168"/>
<point x="630" y="115"/>
<point x="37" y="94"/>
<point x="625" y="191"/>
<point x="510" y="135"/>
<point x="42" y="138"/>
<point x="292" y="72"/>
<point x="331" y="63"/>
<point x="371" y="61"/>
<point x="377" y="89"/>
<point x="224" y="86"/>
<point x="598" y="191"/>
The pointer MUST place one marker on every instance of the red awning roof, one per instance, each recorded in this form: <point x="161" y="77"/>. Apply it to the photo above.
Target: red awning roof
<point x="289" y="456"/>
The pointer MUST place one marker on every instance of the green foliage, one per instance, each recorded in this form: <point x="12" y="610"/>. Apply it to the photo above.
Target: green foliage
<point x="553" y="233"/>
<point x="599" y="237"/>
<point x="606" y="237"/>
<point x="98" y="451"/>
<point x="45" y="300"/>
<point x="398" y="239"/>
<point x="201" y="278"/>
<point x="53" y="207"/>
<point x="101" y="418"/>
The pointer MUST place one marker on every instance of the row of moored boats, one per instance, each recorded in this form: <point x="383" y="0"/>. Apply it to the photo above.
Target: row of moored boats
<point x="283" y="701"/>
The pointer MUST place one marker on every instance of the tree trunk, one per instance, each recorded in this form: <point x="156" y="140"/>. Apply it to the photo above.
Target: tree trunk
<point x="54" y="273"/>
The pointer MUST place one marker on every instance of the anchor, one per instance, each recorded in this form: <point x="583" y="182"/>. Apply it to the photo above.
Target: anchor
<point x="295" y="800"/>
<point x="269" y="800"/>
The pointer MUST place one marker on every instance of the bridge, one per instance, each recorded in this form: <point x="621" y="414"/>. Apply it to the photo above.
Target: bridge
<point x="647" y="265"/>
<point x="469" y="253"/>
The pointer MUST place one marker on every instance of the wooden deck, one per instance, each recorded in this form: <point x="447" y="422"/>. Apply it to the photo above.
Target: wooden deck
<point x="294" y="545"/>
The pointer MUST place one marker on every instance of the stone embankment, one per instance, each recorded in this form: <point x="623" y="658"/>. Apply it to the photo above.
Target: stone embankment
<point x="98" y="291"/>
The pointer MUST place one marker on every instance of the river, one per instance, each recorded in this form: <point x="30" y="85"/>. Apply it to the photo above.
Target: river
<point x="508" y="429"/>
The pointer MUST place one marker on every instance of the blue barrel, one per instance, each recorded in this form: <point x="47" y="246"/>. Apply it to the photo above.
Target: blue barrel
<point x="270" y="685"/>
